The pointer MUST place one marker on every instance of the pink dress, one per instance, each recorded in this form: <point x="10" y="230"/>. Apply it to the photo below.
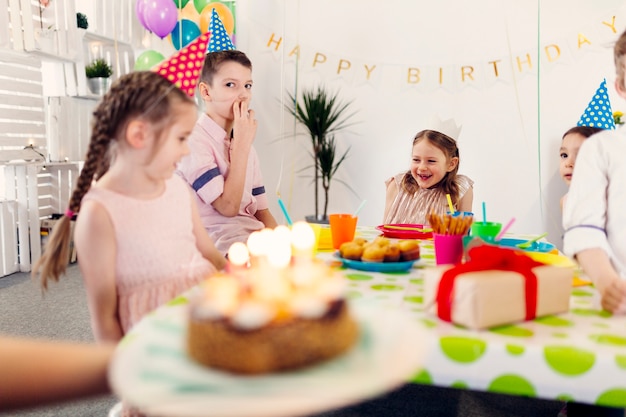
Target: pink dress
<point x="415" y="208"/>
<point x="157" y="257"/>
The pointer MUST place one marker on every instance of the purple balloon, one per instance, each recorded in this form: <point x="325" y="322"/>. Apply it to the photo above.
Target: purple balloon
<point x="160" y="16"/>
<point x="140" y="7"/>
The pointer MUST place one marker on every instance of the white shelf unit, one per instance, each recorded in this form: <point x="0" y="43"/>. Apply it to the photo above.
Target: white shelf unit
<point x="38" y="190"/>
<point x="47" y="47"/>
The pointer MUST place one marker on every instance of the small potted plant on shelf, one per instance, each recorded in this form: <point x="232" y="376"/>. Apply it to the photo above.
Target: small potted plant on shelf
<point x="81" y="21"/>
<point x="98" y="76"/>
<point x="323" y="115"/>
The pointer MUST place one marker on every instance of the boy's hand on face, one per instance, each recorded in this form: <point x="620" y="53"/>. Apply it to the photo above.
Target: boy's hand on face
<point x="244" y="125"/>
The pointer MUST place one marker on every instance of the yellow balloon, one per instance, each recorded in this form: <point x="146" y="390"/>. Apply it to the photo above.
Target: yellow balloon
<point x="225" y="15"/>
<point x="189" y="12"/>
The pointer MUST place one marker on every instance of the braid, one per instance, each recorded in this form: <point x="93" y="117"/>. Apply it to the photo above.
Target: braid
<point x="145" y="95"/>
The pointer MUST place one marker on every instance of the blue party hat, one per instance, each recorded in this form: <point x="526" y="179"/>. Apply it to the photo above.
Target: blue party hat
<point x="220" y="41"/>
<point x="598" y="112"/>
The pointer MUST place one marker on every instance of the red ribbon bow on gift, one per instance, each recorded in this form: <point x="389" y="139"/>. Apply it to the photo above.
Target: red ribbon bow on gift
<point x="484" y="258"/>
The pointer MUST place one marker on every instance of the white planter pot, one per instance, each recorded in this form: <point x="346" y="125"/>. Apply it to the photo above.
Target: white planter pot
<point x="45" y="40"/>
<point x="98" y="86"/>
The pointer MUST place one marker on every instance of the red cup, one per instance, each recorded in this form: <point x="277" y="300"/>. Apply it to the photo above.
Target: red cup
<point x="342" y="228"/>
<point x="448" y="249"/>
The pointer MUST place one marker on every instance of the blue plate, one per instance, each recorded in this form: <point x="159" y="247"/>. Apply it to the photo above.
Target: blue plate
<point x="376" y="266"/>
<point x="534" y="247"/>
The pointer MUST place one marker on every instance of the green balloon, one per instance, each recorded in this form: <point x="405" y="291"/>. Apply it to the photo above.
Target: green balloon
<point x="147" y="60"/>
<point x="201" y="4"/>
<point x="180" y="4"/>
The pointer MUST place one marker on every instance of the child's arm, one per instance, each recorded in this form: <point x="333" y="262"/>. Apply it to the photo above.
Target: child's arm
<point x="465" y="202"/>
<point x="266" y="217"/>
<point x="392" y="192"/>
<point x="598" y="267"/>
<point x="244" y="129"/>
<point x="36" y="372"/>
<point x="204" y="243"/>
<point x="96" y="248"/>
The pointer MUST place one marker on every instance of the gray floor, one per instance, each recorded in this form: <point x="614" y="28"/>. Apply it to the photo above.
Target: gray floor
<point x="59" y="314"/>
<point x="62" y="314"/>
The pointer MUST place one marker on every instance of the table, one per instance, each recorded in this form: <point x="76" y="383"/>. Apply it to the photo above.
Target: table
<point x="578" y="356"/>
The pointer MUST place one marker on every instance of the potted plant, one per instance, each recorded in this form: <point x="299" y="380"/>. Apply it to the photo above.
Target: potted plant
<point x="98" y="76"/>
<point x="81" y="21"/>
<point x="323" y="115"/>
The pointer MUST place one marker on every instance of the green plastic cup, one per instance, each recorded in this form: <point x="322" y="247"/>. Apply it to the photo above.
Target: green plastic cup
<point x="487" y="231"/>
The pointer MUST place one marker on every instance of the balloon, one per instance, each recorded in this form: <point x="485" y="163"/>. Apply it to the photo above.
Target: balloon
<point x="185" y="29"/>
<point x="200" y="5"/>
<point x="160" y="16"/>
<point x="140" y="7"/>
<point x="147" y="60"/>
<point x="225" y="15"/>
<point x="180" y="4"/>
<point x="190" y="13"/>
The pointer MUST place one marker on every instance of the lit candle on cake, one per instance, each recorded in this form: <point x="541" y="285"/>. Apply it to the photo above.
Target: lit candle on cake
<point x="238" y="257"/>
<point x="270" y="281"/>
<point x="279" y="248"/>
<point x="303" y="241"/>
<point x="256" y="248"/>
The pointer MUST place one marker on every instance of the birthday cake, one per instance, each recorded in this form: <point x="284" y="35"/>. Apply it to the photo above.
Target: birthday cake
<point x="275" y="309"/>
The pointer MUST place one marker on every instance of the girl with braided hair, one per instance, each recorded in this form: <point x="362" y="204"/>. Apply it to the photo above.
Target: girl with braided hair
<point x="139" y="237"/>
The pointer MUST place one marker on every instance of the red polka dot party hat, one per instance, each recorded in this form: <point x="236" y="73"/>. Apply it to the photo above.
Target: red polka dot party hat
<point x="183" y="68"/>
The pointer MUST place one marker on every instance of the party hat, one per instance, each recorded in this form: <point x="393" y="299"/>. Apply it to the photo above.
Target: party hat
<point x="183" y="68"/>
<point x="220" y="41"/>
<point x="447" y="127"/>
<point x="598" y="112"/>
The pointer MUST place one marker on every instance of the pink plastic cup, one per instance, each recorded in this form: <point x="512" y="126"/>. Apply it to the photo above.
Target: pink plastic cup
<point x="448" y="249"/>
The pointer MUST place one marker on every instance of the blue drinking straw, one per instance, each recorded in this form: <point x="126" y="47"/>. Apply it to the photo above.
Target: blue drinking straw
<point x="356" y="213"/>
<point x="284" y="210"/>
<point x="484" y="214"/>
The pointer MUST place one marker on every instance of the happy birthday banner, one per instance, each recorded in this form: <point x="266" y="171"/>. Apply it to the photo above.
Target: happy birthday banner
<point x="429" y="76"/>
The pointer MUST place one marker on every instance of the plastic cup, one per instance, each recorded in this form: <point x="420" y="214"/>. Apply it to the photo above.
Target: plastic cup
<point x="317" y="231"/>
<point x="342" y="228"/>
<point x="460" y="213"/>
<point x="487" y="231"/>
<point x="448" y="249"/>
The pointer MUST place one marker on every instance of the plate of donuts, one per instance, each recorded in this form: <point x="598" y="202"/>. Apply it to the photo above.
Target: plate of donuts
<point x="379" y="255"/>
<point x="406" y="231"/>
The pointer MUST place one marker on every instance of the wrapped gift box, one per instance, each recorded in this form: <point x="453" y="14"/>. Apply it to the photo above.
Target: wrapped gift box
<point x="494" y="296"/>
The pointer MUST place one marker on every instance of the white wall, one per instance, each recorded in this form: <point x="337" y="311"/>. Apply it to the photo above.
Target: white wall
<point x="513" y="162"/>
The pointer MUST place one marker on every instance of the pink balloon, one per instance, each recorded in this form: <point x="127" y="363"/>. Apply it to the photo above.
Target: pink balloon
<point x="140" y="7"/>
<point x="160" y="16"/>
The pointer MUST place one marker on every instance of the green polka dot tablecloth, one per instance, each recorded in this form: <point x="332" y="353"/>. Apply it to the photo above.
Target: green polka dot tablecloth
<point x="578" y="356"/>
